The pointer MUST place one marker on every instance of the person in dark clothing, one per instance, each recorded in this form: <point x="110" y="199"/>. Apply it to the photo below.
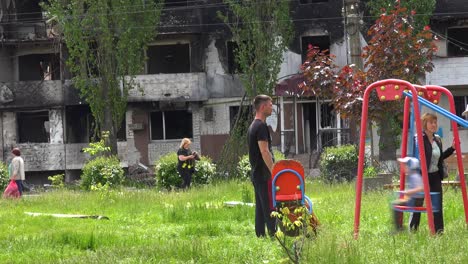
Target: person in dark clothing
<point x="186" y="162"/>
<point x="435" y="171"/>
<point x="261" y="161"/>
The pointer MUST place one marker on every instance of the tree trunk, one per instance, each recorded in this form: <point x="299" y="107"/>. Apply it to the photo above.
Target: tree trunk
<point x="107" y="122"/>
<point x="387" y="141"/>
<point x="108" y="125"/>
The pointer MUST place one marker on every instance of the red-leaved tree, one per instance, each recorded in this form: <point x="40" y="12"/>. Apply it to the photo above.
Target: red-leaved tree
<point x="395" y="50"/>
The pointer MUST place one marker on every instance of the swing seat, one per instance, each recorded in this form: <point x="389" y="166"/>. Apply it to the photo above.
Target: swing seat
<point x="288" y="190"/>
<point x="411" y="208"/>
<point x="288" y="182"/>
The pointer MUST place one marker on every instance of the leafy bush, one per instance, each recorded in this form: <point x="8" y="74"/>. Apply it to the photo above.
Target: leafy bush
<point x="102" y="172"/>
<point x="370" y="172"/>
<point x="205" y="170"/>
<point x="166" y="172"/>
<point x="4" y="176"/>
<point x="243" y="166"/>
<point x="57" y="180"/>
<point x="167" y="176"/>
<point x="338" y="164"/>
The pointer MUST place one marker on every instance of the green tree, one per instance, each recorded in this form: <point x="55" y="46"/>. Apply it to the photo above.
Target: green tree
<point x="262" y="31"/>
<point x="106" y="42"/>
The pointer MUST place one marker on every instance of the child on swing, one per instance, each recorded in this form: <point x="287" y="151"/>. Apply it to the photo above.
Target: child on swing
<point x="412" y="194"/>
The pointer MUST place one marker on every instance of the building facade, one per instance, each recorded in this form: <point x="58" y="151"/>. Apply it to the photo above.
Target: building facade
<point x="189" y="86"/>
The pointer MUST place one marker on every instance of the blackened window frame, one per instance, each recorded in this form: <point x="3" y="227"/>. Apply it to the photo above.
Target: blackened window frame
<point x="172" y="131"/>
<point x="461" y="102"/>
<point x="323" y="42"/>
<point x="85" y="117"/>
<point x="36" y="126"/>
<point x="47" y="59"/>
<point x="457" y="47"/>
<point x="180" y="50"/>
<point x="234" y="112"/>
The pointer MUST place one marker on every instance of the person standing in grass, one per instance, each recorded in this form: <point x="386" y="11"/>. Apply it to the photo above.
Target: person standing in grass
<point x="435" y="170"/>
<point x="186" y="162"/>
<point x="261" y="161"/>
<point x="16" y="169"/>
<point x="412" y="194"/>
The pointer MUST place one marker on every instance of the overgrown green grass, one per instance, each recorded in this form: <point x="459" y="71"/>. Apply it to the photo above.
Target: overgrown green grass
<point x="147" y="226"/>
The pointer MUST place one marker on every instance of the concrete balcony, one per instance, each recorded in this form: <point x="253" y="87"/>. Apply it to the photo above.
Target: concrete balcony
<point x="170" y="87"/>
<point x="30" y="94"/>
<point x="155" y="87"/>
<point x="449" y="72"/>
<point x="51" y="157"/>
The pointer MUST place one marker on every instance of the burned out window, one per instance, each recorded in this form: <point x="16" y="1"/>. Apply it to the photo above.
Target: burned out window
<point x="168" y="58"/>
<point x="33" y="127"/>
<point x="322" y="42"/>
<point x="233" y="65"/>
<point x="80" y="125"/>
<point x="457" y="39"/>
<point x="78" y="120"/>
<point x="28" y="10"/>
<point x="175" y="124"/>
<point x="38" y="67"/>
<point x="122" y="132"/>
<point x="460" y="105"/>
<point x="234" y="112"/>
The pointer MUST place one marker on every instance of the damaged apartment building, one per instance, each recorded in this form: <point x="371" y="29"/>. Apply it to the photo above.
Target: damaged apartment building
<point x="190" y="89"/>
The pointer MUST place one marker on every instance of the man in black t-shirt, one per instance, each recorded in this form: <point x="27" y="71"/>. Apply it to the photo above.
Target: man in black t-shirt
<point x="261" y="161"/>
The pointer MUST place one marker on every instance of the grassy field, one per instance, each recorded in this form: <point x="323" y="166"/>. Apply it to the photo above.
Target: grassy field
<point x="147" y="226"/>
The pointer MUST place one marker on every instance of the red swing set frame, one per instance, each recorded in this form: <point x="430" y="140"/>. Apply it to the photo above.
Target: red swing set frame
<point x="394" y="89"/>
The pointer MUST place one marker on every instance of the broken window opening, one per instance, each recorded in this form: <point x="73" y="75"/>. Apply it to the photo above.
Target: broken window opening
<point x="173" y="58"/>
<point x="78" y="126"/>
<point x="39" y="67"/>
<point x="175" y="124"/>
<point x="122" y="131"/>
<point x="234" y="112"/>
<point x="233" y="63"/>
<point x="29" y="10"/>
<point x="322" y="42"/>
<point x="81" y="124"/>
<point x="33" y="127"/>
<point x="460" y="106"/>
<point x="457" y="39"/>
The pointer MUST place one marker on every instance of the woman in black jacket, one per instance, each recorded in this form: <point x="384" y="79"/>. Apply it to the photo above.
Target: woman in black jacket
<point x="186" y="162"/>
<point x="434" y="162"/>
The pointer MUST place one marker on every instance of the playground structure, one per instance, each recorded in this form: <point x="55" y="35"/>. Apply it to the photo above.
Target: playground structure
<point x="288" y="189"/>
<point x="429" y="96"/>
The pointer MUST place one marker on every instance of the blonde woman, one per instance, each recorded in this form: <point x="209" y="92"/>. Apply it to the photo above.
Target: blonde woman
<point x="186" y="162"/>
<point x="435" y="156"/>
